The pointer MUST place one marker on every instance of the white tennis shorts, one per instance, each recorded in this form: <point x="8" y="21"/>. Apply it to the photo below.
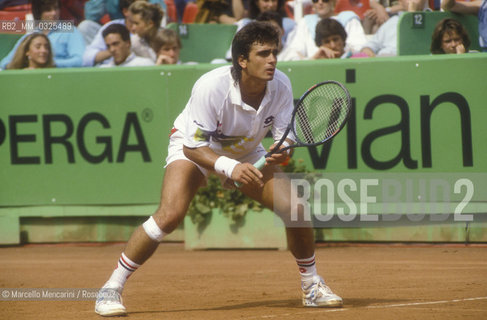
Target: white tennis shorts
<point x="175" y="152"/>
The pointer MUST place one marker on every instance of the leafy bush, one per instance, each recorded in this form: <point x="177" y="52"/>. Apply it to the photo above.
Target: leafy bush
<point x="232" y="203"/>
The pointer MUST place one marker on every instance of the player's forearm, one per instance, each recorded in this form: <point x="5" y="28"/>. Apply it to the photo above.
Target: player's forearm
<point x="203" y="156"/>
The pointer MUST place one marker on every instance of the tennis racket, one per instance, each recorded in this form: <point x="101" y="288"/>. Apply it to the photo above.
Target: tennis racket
<point x="320" y="113"/>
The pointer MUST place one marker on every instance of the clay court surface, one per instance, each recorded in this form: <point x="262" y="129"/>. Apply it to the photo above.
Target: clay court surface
<point x="376" y="282"/>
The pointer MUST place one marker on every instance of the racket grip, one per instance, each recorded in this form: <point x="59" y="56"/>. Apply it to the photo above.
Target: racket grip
<point x="259" y="165"/>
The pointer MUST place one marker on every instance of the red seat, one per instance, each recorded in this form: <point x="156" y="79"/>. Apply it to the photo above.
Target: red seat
<point x="22" y="7"/>
<point x="289" y="10"/>
<point x="105" y="19"/>
<point x="357" y="6"/>
<point x="190" y="12"/>
<point x="171" y="11"/>
<point x="13" y="15"/>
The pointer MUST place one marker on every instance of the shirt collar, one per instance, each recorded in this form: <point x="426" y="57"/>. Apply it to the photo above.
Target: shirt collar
<point x="129" y="58"/>
<point x="236" y="97"/>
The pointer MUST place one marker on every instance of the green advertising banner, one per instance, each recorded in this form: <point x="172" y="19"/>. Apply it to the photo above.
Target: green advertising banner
<point x="99" y="136"/>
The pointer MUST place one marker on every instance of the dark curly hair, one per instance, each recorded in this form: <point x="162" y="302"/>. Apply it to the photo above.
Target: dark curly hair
<point x="448" y="26"/>
<point x="40" y="6"/>
<point x="328" y="27"/>
<point x="254" y="32"/>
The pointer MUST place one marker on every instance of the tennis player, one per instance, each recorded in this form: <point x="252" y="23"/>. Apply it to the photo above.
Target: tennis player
<point x="230" y="110"/>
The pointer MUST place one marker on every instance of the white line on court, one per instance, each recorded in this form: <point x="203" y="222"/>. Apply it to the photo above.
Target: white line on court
<point x="324" y="310"/>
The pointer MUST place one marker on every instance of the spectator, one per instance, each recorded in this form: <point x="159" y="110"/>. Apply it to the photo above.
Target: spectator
<point x="145" y="19"/>
<point x="212" y="11"/>
<point x="258" y="6"/>
<point x="239" y="10"/>
<point x="216" y="11"/>
<point x="330" y="39"/>
<point x="67" y="47"/>
<point x="384" y="41"/>
<point x="377" y="14"/>
<point x="372" y="13"/>
<point x="392" y="7"/>
<point x="33" y="52"/>
<point x="96" y="52"/>
<point x="95" y="10"/>
<point x="357" y="6"/>
<point x="167" y="45"/>
<point x="274" y="18"/>
<point x="117" y="39"/>
<point x="301" y="42"/>
<point x="72" y="10"/>
<point x="449" y="36"/>
<point x="477" y="7"/>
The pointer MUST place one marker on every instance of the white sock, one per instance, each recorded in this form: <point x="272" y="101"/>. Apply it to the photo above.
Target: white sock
<point x="124" y="270"/>
<point x="307" y="270"/>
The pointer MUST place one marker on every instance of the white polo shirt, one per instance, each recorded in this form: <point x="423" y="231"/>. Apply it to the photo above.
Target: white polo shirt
<point x="216" y="116"/>
<point x="131" y="61"/>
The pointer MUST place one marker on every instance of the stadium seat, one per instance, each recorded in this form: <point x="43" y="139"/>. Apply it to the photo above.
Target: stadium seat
<point x="171" y="10"/>
<point x="416" y="28"/>
<point x="22" y="7"/>
<point x="203" y="42"/>
<point x="8" y="41"/>
<point x="289" y="9"/>
<point x="190" y="12"/>
<point x="7" y="15"/>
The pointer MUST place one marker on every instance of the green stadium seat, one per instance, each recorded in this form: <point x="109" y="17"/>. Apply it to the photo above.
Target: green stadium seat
<point x="7" y="42"/>
<point x="416" y="28"/>
<point x="204" y="42"/>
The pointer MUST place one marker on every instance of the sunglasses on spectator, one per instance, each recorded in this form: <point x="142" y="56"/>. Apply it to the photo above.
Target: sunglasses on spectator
<point x="324" y="1"/>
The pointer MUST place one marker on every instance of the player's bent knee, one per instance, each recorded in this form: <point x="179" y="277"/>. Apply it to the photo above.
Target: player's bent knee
<point x="294" y="216"/>
<point x="168" y="219"/>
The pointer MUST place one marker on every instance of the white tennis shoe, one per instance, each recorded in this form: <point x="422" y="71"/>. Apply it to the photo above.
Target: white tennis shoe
<point x="319" y="295"/>
<point x="109" y="301"/>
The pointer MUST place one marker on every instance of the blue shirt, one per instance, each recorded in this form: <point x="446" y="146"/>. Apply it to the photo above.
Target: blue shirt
<point x="96" y="9"/>
<point x="67" y="49"/>
<point x="483" y="25"/>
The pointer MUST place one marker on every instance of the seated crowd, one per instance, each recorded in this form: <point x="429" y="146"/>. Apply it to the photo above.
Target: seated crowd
<point x="134" y="32"/>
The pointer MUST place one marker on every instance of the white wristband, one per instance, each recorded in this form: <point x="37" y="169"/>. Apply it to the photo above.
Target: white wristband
<point x="225" y="165"/>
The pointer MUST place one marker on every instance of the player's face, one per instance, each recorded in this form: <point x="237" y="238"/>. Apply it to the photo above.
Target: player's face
<point x="324" y="8"/>
<point x="335" y="43"/>
<point x="261" y="63"/>
<point x="38" y="53"/>
<point x="118" y="48"/>
<point x="450" y="41"/>
<point x="139" y="26"/>
<point x="267" y="5"/>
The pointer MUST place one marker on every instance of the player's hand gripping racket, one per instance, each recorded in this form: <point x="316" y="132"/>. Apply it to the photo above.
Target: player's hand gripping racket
<point x="318" y="116"/>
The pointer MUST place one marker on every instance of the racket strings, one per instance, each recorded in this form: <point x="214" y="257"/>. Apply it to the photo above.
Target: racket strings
<point x="321" y="113"/>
